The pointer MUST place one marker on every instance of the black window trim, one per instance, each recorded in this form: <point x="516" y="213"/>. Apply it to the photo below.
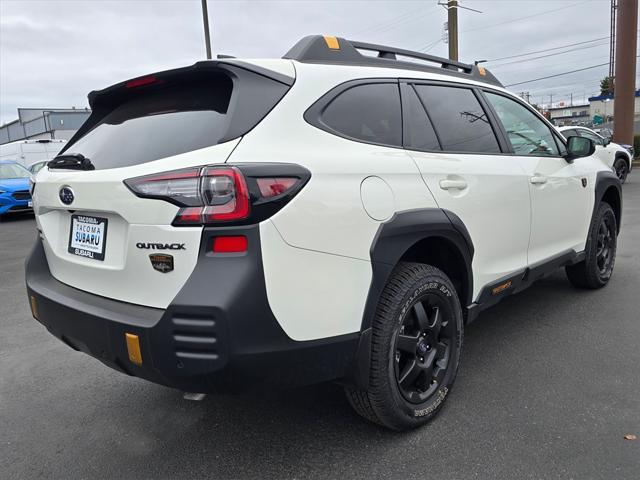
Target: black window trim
<point x="557" y="136"/>
<point x="495" y="124"/>
<point x="404" y="86"/>
<point x="313" y="114"/>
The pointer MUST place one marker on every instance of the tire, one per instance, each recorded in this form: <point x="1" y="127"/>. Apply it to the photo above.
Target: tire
<point x="621" y="167"/>
<point x="417" y="337"/>
<point x="600" y="253"/>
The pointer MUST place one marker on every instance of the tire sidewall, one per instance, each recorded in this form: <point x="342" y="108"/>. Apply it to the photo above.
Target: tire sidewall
<point x="625" y="166"/>
<point x="592" y="263"/>
<point x="419" y="413"/>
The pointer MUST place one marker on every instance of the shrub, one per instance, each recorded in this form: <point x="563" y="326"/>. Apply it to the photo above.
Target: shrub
<point x="636" y="145"/>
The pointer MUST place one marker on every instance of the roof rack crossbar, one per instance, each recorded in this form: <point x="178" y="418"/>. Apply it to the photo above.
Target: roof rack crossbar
<point x="391" y="53"/>
<point x="339" y="51"/>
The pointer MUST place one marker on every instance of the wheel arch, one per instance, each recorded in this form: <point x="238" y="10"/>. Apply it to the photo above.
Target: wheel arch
<point x="625" y="156"/>
<point x="608" y="189"/>
<point x="434" y="236"/>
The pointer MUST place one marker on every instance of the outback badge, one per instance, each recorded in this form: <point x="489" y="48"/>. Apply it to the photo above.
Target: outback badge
<point x="161" y="262"/>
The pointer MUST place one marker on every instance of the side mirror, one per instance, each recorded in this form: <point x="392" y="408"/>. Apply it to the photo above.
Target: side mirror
<point x="606" y="141"/>
<point x="579" y="147"/>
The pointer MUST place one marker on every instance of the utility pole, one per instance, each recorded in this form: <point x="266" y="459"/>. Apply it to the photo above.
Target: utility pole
<point x="205" y="19"/>
<point x="452" y="7"/>
<point x="452" y="18"/>
<point x="626" y="51"/>
<point x="612" y="45"/>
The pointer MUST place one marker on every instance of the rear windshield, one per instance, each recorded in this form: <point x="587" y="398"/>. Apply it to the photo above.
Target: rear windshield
<point x="161" y="121"/>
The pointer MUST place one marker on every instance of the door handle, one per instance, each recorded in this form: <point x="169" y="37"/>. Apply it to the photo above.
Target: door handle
<point x="453" y="184"/>
<point x="538" y="180"/>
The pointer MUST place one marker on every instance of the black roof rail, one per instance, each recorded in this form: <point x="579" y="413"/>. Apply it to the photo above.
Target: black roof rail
<point x="337" y="50"/>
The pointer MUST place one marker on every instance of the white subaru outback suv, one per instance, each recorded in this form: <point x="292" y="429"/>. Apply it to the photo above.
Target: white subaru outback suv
<point x="239" y="225"/>
<point x="615" y="156"/>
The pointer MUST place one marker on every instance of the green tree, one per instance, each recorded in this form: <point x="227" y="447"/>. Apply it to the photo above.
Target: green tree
<point x="606" y="86"/>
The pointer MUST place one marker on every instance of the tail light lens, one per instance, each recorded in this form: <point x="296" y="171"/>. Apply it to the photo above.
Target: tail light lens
<point x="272" y="187"/>
<point x="220" y="193"/>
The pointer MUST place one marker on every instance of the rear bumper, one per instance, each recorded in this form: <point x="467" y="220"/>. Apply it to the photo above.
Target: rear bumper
<point x="218" y="334"/>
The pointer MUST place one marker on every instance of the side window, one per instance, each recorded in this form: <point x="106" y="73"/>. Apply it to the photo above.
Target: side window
<point x="527" y="133"/>
<point x="369" y="112"/>
<point x="418" y="131"/>
<point x="592" y="136"/>
<point x="458" y="118"/>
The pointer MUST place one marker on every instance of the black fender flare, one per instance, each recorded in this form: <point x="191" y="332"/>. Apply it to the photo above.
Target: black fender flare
<point x="392" y="240"/>
<point x="625" y="155"/>
<point x="605" y="180"/>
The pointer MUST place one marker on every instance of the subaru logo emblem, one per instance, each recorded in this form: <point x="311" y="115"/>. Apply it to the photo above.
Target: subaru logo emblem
<point x="66" y="195"/>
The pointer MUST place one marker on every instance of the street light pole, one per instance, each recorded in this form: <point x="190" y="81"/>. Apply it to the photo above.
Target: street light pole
<point x="205" y="19"/>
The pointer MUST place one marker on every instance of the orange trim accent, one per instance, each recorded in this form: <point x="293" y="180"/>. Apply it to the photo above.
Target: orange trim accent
<point x="34" y="307"/>
<point x="133" y="348"/>
<point x="482" y="71"/>
<point x="501" y="288"/>
<point x="332" y="42"/>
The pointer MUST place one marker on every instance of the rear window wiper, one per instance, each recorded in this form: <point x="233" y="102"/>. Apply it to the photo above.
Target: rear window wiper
<point x="71" y="161"/>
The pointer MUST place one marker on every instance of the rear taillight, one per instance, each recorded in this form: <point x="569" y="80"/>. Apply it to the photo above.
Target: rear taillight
<point x="272" y="187"/>
<point x="221" y="193"/>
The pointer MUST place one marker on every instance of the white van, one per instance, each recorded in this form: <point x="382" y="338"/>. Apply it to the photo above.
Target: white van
<point x="28" y="152"/>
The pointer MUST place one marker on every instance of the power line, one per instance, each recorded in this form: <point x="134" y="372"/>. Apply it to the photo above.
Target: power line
<point x="431" y="45"/>
<point x="548" y="49"/>
<point x="560" y="74"/>
<point x="557" y="74"/>
<point x="549" y="55"/>
<point x="388" y="21"/>
<point x="525" y="17"/>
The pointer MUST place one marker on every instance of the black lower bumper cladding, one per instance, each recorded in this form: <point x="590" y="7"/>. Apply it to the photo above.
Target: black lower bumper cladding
<point x="218" y="333"/>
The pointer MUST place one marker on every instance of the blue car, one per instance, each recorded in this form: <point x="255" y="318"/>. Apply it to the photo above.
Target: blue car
<point x="14" y="188"/>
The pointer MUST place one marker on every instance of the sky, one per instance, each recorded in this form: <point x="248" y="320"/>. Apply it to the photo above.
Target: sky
<point x="52" y="53"/>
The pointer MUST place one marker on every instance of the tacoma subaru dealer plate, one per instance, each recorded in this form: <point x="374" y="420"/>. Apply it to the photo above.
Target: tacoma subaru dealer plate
<point x="88" y="236"/>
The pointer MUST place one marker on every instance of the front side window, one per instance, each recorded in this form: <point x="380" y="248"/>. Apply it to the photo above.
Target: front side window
<point x="570" y="133"/>
<point x="527" y="133"/>
<point x="367" y="112"/>
<point x="597" y="139"/>
<point x="458" y="118"/>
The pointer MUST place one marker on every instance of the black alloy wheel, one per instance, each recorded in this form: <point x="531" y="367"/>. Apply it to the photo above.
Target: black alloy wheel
<point x="423" y="348"/>
<point x="596" y="269"/>
<point x="605" y="247"/>
<point x="416" y="344"/>
<point x="621" y="169"/>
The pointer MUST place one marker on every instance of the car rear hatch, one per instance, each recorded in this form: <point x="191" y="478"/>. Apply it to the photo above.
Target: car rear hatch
<point x="98" y="235"/>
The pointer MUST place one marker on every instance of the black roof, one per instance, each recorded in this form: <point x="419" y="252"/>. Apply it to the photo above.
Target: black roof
<point x="338" y="51"/>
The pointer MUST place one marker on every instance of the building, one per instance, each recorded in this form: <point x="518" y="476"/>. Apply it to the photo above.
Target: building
<point x="43" y="123"/>
<point x="602" y="108"/>
<point x="563" y="114"/>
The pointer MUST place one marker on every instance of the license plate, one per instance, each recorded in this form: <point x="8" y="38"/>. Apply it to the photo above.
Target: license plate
<point x="30" y="204"/>
<point x="88" y="236"/>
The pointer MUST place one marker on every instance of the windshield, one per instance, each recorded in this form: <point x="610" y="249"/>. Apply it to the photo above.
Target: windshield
<point x="13" y="170"/>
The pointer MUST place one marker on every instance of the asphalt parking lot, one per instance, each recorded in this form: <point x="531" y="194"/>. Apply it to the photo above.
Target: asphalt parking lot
<point x="549" y="386"/>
